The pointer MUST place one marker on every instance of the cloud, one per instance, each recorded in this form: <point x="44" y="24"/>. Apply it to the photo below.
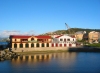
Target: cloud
<point x="6" y="33"/>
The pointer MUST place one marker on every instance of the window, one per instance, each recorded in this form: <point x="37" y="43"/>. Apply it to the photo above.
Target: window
<point x="65" y="45"/>
<point x="32" y="39"/>
<point x="42" y="44"/>
<point x="61" y="39"/>
<point x="26" y="45"/>
<point x="24" y="39"/>
<point x="47" y="44"/>
<point x="60" y="45"/>
<point x="39" y="40"/>
<point x="56" y="44"/>
<point x="37" y="45"/>
<point x="52" y="44"/>
<point x="70" y="45"/>
<point x="21" y="45"/>
<point x="64" y="40"/>
<point x="32" y="45"/>
<point x="68" y="39"/>
<point x="15" y="45"/>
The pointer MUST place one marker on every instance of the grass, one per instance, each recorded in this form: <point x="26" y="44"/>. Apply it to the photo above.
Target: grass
<point x="94" y="45"/>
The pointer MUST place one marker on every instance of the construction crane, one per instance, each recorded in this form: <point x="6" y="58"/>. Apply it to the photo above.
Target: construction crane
<point x="69" y="29"/>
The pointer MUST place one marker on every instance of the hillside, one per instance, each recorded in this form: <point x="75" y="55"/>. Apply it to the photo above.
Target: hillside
<point x="72" y="30"/>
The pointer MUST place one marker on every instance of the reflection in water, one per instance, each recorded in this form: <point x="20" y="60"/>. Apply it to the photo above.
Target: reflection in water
<point x="66" y="62"/>
<point x="31" y="58"/>
<point x="44" y="58"/>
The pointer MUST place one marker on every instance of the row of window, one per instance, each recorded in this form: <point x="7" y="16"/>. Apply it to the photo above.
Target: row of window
<point x="25" y="39"/>
<point x="33" y="39"/>
<point x="65" y="40"/>
<point x="42" y="45"/>
<point x="32" y="45"/>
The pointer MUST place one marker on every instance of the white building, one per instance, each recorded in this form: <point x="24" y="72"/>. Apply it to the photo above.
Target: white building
<point x="64" y="41"/>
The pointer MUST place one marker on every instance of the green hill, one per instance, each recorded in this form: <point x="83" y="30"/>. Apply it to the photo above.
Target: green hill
<point x="72" y="30"/>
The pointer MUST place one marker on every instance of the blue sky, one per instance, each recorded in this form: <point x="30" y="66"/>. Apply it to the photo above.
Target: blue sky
<point x="42" y="16"/>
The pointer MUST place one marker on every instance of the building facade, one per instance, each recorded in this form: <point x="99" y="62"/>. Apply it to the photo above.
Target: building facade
<point x="64" y="41"/>
<point x="79" y="35"/>
<point x="93" y="37"/>
<point x="22" y="41"/>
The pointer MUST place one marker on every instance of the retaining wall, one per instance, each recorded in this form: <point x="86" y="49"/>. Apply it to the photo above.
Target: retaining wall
<point x="39" y="49"/>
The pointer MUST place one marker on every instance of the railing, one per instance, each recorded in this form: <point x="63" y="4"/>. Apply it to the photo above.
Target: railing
<point x="39" y="41"/>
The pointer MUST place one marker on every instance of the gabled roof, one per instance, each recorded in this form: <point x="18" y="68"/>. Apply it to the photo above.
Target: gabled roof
<point x="43" y="37"/>
<point x="80" y="32"/>
<point x="72" y="36"/>
<point x="58" y="36"/>
<point x="94" y="32"/>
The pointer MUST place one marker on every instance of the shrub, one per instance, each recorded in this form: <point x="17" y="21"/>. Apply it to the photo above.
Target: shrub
<point x="95" y="45"/>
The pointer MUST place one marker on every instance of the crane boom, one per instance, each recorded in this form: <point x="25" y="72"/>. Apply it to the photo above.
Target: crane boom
<point x="69" y="30"/>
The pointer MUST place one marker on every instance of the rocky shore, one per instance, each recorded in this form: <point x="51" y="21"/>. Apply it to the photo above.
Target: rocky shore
<point x="7" y="55"/>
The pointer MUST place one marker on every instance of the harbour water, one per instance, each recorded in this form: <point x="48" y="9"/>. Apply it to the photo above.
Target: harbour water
<point x="3" y="44"/>
<point x="65" y="62"/>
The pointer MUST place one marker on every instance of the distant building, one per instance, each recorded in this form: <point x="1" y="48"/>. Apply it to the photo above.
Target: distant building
<point x="79" y="35"/>
<point x="94" y="37"/>
<point x="99" y="37"/>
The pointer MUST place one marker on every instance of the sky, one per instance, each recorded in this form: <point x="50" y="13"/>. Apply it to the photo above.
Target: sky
<point x="41" y="16"/>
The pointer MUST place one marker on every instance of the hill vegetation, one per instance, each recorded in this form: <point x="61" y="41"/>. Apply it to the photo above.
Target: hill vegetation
<point x="4" y="39"/>
<point x="72" y="30"/>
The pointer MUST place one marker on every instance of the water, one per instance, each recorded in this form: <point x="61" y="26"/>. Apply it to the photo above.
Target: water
<point x="66" y="62"/>
<point x="3" y="43"/>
